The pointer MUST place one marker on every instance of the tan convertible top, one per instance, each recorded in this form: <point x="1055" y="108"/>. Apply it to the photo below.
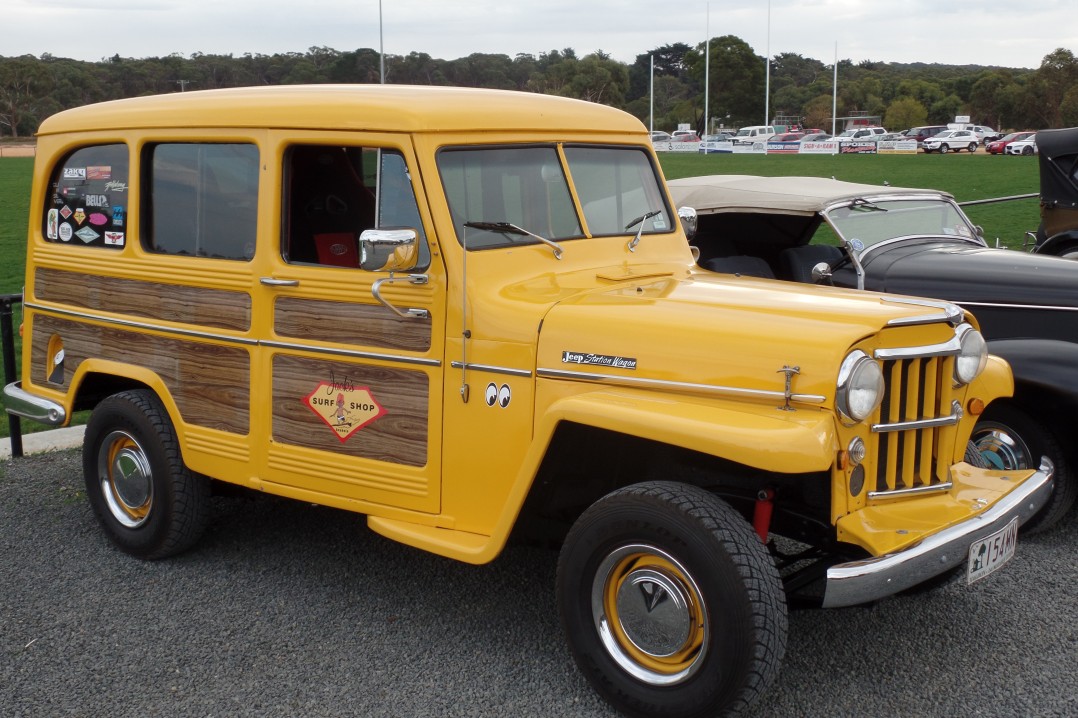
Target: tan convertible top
<point x="781" y="195"/>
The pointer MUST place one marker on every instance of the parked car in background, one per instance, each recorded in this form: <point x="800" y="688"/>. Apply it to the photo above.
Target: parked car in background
<point x="816" y="137"/>
<point x="710" y="144"/>
<point x="986" y="134"/>
<point x="753" y="134"/>
<point x="951" y="141"/>
<point x="1027" y="147"/>
<point x="1058" y="231"/>
<point x="919" y="242"/>
<point x="891" y="137"/>
<point x="660" y="136"/>
<point x="922" y="133"/>
<point x="787" y="137"/>
<point x="860" y="134"/>
<point x="684" y="136"/>
<point x="999" y="146"/>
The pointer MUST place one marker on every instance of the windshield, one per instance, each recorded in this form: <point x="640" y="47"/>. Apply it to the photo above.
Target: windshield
<point x="878" y="221"/>
<point x="527" y="186"/>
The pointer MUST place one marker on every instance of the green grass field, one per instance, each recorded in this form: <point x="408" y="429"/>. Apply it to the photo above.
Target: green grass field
<point x="967" y="177"/>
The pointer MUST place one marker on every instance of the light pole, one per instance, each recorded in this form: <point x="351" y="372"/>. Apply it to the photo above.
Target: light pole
<point x="767" y="81"/>
<point x="381" y="47"/>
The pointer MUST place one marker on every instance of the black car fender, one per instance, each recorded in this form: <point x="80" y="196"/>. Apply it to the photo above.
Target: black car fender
<point x="1045" y="367"/>
<point x="1058" y="243"/>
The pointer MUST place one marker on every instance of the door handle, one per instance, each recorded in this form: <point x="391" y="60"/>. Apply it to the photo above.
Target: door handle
<point x="272" y="282"/>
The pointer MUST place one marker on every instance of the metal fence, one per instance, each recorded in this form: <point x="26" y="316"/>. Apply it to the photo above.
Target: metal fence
<point x="7" y="334"/>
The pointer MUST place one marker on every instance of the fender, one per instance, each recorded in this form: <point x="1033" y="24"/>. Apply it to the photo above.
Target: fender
<point x="1058" y="243"/>
<point x="799" y="441"/>
<point x="133" y="372"/>
<point x="1049" y="364"/>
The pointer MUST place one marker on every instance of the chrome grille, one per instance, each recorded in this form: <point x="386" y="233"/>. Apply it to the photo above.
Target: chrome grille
<point x="918" y="408"/>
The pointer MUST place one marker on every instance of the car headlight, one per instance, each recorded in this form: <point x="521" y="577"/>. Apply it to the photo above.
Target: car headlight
<point x="860" y="386"/>
<point x="972" y="355"/>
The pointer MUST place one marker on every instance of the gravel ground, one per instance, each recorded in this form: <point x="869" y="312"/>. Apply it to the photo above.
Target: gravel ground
<point x="285" y="609"/>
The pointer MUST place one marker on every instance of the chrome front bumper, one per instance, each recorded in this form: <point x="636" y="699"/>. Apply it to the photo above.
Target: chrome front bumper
<point x="849" y="584"/>
<point x="23" y="403"/>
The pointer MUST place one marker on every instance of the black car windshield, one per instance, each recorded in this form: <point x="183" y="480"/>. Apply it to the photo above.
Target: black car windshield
<point x="872" y="222"/>
<point x="527" y="186"/>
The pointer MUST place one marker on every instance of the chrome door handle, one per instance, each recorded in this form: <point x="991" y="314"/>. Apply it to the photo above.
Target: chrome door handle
<point x="271" y="282"/>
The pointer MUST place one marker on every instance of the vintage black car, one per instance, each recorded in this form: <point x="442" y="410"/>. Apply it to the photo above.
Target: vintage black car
<point x="1058" y="233"/>
<point x="917" y="242"/>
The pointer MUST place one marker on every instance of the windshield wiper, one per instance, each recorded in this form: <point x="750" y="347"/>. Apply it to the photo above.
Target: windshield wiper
<point x="509" y="228"/>
<point x="640" y="220"/>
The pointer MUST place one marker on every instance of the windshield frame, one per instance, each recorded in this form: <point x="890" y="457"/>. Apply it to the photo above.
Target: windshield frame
<point x="851" y="243"/>
<point x="587" y="230"/>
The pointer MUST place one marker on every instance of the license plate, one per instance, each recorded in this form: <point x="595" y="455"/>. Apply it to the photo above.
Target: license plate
<point x="991" y="552"/>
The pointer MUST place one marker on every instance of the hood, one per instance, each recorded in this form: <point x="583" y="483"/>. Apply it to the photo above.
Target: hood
<point x="962" y="273"/>
<point x="718" y="331"/>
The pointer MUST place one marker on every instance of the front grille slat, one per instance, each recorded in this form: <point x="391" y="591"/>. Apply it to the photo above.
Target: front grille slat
<point x="917" y="389"/>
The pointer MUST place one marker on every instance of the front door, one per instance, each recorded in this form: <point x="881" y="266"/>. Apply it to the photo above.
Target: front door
<point x="354" y="387"/>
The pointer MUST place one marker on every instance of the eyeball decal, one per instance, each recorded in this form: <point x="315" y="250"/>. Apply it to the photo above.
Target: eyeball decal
<point x="501" y="396"/>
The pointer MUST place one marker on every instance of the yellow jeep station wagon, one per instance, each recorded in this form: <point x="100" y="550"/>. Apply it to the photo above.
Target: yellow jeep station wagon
<point x="466" y="314"/>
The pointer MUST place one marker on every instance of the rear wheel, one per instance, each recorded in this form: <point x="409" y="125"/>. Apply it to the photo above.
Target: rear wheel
<point x="149" y="503"/>
<point x="1008" y="438"/>
<point x="670" y="602"/>
<point x="972" y="147"/>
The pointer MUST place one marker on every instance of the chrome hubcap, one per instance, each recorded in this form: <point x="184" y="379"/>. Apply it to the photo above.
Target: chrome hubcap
<point x="126" y="479"/>
<point x="650" y="615"/>
<point x="999" y="449"/>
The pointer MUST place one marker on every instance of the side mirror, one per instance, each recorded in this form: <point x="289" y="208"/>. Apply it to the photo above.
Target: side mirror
<point x="388" y="250"/>
<point x="821" y="273"/>
<point x="687" y="215"/>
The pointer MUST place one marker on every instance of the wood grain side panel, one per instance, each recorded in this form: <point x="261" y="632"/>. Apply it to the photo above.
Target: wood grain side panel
<point x="210" y="308"/>
<point x="399" y="436"/>
<point x="345" y="323"/>
<point x="209" y="382"/>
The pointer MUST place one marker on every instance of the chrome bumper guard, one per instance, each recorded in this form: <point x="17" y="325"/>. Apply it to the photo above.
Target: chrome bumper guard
<point x="23" y="403"/>
<point x="849" y="584"/>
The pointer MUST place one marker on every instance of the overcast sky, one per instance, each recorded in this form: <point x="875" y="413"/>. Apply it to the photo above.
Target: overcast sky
<point x="982" y="32"/>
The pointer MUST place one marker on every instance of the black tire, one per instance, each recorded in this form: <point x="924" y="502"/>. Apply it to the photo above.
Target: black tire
<point x="1007" y="437"/>
<point x="972" y="147"/>
<point x="945" y="148"/>
<point x="149" y="503"/>
<point x="671" y="605"/>
<point x="1027" y="150"/>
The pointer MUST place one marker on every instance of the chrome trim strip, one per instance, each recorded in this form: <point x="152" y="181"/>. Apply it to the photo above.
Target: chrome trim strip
<point x="20" y="402"/>
<point x="915" y="491"/>
<point x="244" y="341"/>
<point x="951" y="347"/>
<point x="492" y="369"/>
<point x="351" y="353"/>
<point x="677" y="386"/>
<point x="143" y="325"/>
<point x="951" y="312"/>
<point x="949" y="420"/>
<point x="1041" y="307"/>
<point x="855" y="582"/>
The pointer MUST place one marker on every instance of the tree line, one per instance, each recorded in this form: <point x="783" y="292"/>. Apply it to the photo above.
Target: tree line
<point x="903" y="95"/>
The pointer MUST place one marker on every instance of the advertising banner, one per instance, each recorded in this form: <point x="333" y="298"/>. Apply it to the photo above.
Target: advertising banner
<point x="897" y="147"/>
<point x="756" y="148"/>
<point x="857" y="148"/>
<point x="676" y="146"/>
<point x="783" y="148"/>
<point x="819" y="148"/>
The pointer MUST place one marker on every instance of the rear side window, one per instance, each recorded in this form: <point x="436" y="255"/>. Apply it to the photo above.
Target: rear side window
<point x="88" y="203"/>
<point x="200" y="200"/>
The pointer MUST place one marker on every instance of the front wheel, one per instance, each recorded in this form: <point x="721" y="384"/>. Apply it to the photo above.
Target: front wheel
<point x="944" y="149"/>
<point x="1027" y="151"/>
<point x="670" y="602"/>
<point x="1007" y="438"/>
<point x="149" y="503"/>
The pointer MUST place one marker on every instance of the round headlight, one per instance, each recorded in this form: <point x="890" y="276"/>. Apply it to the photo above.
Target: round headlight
<point x="972" y="355"/>
<point x="860" y="386"/>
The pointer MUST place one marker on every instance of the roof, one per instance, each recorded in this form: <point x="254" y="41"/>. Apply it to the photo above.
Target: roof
<point x="386" y="108"/>
<point x="781" y="195"/>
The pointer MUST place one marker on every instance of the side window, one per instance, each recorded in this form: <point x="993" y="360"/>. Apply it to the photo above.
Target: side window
<point x="333" y="194"/>
<point x="200" y="200"/>
<point x="88" y="204"/>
